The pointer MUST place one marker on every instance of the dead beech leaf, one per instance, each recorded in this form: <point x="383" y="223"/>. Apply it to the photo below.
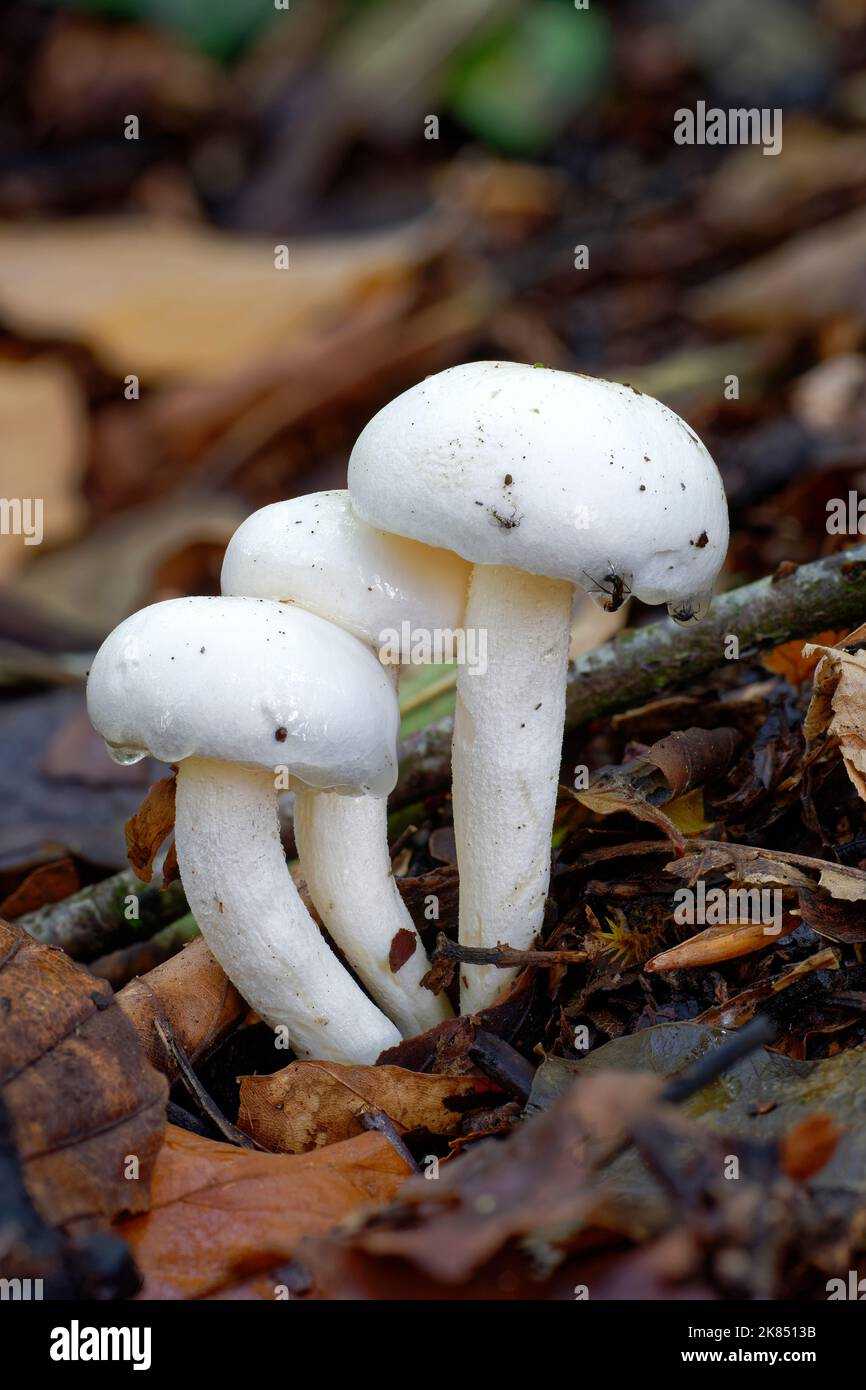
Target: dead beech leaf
<point x="218" y="1212"/>
<point x="614" y="793"/>
<point x="189" y="993"/>
<point x="841" y="885"/>
<point x="839" y="704"/>
<point x="78" y="1087"/>
<point x="791" y="660"/>
<point x="804" y="282"/>
<point x="663" y="785"/>
<point x="311" y="1104"/>
<point x="44" y="431"/>
<point x="151" y="825"/>
<point x="810" y="1145"/>
<point x="747" y="864"/>
<point x="69" y="586"/>
<point x="538" y="1181"/>
<point x="182" y="301"/>
<point x="48" y="883"/>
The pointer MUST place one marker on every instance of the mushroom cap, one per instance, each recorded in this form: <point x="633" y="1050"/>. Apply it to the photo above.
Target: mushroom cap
<point x="248" y="681"/>
<point x="550" y="472"/>
<point x="314" y="551"/>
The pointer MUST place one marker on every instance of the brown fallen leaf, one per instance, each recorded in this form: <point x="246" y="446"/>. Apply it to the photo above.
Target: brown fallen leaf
<point x="192" y="995"/>
<point x="83" y="1098"/>
<point x="44" y="431"/>
<point x="538" y="1182"/>
<point x="806" y="1148"/>
<point x="143" y="291"/>
<point x="657" y="785"/>
<point x="749" y="864"/>
<point x="311" y="1104"/>
<point x="48" y="883"/>
<point x="219" y="1213"/>
<point x="838" y="706"/>
<point x="152" y="823"/>
<point x="799" y="285"/>
<point x="789" y="660"/>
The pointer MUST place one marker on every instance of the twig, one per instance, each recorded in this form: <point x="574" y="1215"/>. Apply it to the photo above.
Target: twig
<point x="381" y="1123"/>
<point x="93" y="921"/>
<point x="198" y="1092"/>
<point x="641" y="665"/>
<point x="503" y="957"/>
<point x="503" y="1064"/>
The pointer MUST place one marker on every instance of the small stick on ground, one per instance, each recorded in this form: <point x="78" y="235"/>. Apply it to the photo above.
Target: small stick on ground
<point x="504" y="957"/>
<point x="198" y="1092"/>
<point x="503" y="1064"/>
<point x="93" y="921"/>
<point x="642" y="664"/>
<point x="381" y="1123"/>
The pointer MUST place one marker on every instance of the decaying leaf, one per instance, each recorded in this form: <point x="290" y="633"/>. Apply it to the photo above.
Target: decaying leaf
<point x="152" y="823"/>
<point x="192" y="995"/>
<point x="795" y="661"/>
<point x="799" y="1091"/>
<point x="144" y="289"/>
<point x="538" y="1180"/>
<point x="809" y="1146"/>
<point x="666" y="776"/>
<point x="310" y="1104"/>
<point x="806" y="280"/>
<point x="48" y="883"/>
<point x="83" y="1098"/>
<point x="44" y="432"/>
<point x="838" y="705"/>
<point x="749" y="864"/>
<point x="218" y="1212"/>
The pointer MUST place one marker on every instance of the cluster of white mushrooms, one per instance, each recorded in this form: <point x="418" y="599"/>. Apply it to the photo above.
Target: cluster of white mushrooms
<point x="484" y="498"/>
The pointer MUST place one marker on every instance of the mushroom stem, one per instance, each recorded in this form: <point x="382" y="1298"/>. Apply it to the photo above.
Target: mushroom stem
<point x="239" y="887"/>
<point x="508" y="729"/>
<point x="343" y="848"/>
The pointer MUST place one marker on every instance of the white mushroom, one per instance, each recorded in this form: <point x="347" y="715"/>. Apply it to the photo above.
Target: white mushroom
<point x="314" y="552"/>
<point x="544" y="480"/>
<point x="231" y="690"/>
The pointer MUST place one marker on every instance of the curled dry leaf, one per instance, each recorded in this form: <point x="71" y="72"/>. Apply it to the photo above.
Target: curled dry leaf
<point x="838" y="706"/>
<point x="191" y="994"/>
<point x="310" y="1104"/>
<point x="80" y="1091"/>
<point x="219" y="1213"/>
<point x="151" y="825"/>
<point x="667" y="775"/>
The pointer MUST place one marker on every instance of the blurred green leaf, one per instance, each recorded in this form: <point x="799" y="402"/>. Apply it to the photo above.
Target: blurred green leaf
<point x="426" y="694"/>
<point x="216" y="27"/>
<point x="518" y="88"/>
